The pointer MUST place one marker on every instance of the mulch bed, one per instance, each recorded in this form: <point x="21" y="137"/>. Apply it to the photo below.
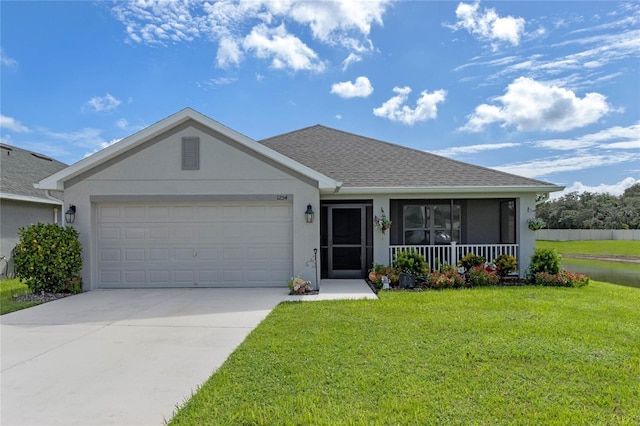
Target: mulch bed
<point x="507" y="282"/>
<point x="42" y="297"/>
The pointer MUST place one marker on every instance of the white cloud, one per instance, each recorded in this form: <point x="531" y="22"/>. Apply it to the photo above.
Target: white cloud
<point x="346" y="89"/>
<point x="531" y="105"/>
<point x="344" y="23"/>
<point x="229" y="53"/>
<point x="616" y="189"/>
<point x="426" y="107"/>
<point x="6" y="61"/>
<point x="285" y="50"/>
<point x="103" y="145"/>
<point x="84" y="138"/>
<point x="487" y="25"/>
<point x="547" y="166"/>
<point x="472" y="149"/>
<point x="616" y="137"/>
<point x="351" y="59"/>
<point x="12" y="124"/>
<point x="103" y="103"/>
<point x="122" y="123"/>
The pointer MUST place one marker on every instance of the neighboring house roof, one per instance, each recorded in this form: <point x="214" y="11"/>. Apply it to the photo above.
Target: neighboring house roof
<point x="57" y="180"/>
<point x="364" y="164"/>
<point x="20" y="169"/>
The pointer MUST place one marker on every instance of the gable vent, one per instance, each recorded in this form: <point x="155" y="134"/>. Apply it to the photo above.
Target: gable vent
<point x="190" y="153"/>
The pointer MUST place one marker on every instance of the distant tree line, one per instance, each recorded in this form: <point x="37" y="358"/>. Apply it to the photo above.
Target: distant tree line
<point x="593" y="211"/>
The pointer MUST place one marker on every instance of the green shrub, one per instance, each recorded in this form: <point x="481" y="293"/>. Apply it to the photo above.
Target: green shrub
<point x="48" y="258"/>
<point x="544" y="260"/>
<point x="563" y="278"/>
<point x="505" y="264"/>
<point x="479" y="276"/>
<point x="448" y="277"/>
<point x="410" y="262"/>
<point x="470" y="260"/>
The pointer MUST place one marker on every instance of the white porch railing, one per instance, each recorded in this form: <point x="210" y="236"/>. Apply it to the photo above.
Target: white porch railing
<point x="438" y="255"/>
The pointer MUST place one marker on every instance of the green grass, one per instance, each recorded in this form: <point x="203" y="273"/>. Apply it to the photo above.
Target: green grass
<point x="9" y="290"/>
<point x="485" y="356"/>
<point x="594" y="247"/>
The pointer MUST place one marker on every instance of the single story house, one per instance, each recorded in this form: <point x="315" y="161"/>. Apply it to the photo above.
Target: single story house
<point x="20" y="203"/>
<point x="188" y="202"/>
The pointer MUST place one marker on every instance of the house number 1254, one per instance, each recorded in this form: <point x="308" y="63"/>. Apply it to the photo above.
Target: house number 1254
<point x="281" y="197"/>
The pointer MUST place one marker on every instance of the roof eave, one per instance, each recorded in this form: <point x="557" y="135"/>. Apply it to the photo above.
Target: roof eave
<point x="451" y="189"/>
<point x="28" y="198"/>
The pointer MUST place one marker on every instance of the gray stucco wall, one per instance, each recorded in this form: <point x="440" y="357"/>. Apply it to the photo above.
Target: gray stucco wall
<point x="17" y="214"/>
<point x="227" y="170"/>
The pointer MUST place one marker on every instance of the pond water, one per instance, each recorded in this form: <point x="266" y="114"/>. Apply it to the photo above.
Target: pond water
<point x="611" y="272"/>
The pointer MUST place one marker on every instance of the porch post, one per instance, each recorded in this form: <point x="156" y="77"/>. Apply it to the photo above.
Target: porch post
<point x="526" y="238"/>
<point x="380" y="240"/>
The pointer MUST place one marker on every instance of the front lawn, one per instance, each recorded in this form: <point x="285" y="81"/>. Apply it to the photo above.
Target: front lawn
<point x="9" y="290"/>
<point x="517" y="355"/>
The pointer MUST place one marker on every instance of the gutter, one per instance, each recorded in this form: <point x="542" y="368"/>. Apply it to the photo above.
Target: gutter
<point x="450" y="190"/>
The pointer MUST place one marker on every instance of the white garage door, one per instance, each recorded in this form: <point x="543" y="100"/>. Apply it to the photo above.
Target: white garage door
<point x="217" y="244"/>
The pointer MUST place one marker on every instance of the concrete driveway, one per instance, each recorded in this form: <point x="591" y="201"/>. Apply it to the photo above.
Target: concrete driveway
<point x="120" y="357"/>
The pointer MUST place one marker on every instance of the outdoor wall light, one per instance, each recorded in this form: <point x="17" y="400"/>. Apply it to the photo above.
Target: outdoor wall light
<point x="308" y="215"/>
<point x="70" y="214"/>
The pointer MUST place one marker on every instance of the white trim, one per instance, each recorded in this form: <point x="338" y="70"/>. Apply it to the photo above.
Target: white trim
<point x="30" y="199"/>
<point x="57" y="180"/>
<point x="448" y="189"/>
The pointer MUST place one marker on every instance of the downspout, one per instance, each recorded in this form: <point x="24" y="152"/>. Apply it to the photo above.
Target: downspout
<point x="55" y="209"/>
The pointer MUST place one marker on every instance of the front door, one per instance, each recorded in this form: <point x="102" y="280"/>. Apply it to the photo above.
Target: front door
<point x="346" y="241"/>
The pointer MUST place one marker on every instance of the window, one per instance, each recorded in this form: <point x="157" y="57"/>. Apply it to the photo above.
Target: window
<point x="190" y="153"/>
<point x="428" y="224"/>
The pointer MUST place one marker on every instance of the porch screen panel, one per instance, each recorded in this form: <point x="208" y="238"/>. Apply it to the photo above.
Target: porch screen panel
<point x="508" y="222"/>
<point x="416" y="220"/>
<point x="433" y="223"/>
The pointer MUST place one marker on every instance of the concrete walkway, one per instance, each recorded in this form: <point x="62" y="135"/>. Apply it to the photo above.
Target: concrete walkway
<point x="128" y="357"/>
<point x="338" y="290"/>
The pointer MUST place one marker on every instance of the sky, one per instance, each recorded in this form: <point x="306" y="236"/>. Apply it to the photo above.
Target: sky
<point x="544" y="89"/>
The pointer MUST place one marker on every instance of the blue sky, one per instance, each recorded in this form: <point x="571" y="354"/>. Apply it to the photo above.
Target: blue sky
<point x="544" y="89"/>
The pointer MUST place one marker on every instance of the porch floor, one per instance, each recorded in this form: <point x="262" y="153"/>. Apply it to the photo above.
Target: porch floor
<point x="337" y="290"/>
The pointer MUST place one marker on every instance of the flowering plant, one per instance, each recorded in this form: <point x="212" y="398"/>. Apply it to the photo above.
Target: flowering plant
<point x="535" y="224"/>
<point x="482" y="276"/>
<point x="448" y="277"/>
<point x="299" y="286"/>
<point x="563" y="278"/>
<point x="381" y="222"/>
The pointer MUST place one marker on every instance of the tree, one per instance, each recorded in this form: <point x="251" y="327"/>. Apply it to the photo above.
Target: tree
<point x="593" y="211"/>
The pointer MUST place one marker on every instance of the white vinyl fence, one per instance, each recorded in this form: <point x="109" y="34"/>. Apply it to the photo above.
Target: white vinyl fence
<point x="588" y="234"/>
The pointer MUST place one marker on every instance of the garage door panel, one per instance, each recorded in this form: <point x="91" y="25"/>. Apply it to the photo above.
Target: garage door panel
<point x="135" y="277"/>
<point x="159" y="277"/>
<point x="135" y="255"/>
<point x="159" y="255"/>
<point x="109" y="233"/>
<point x="203" y="245"/>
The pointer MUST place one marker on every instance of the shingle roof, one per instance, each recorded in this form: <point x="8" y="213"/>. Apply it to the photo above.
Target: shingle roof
<point x="20" y="169"/>
<point x="359" y="161"/>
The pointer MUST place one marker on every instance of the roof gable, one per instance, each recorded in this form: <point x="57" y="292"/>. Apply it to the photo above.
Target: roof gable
<point x="110" y="153"/>
<point x="362" y="162"/>
<point x="20" y="169"/>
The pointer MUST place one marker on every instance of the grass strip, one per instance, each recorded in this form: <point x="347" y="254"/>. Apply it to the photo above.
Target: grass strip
<point x="594" y="247"/>
<point x="9" y="290"/>
<point x="521" y="355"/>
